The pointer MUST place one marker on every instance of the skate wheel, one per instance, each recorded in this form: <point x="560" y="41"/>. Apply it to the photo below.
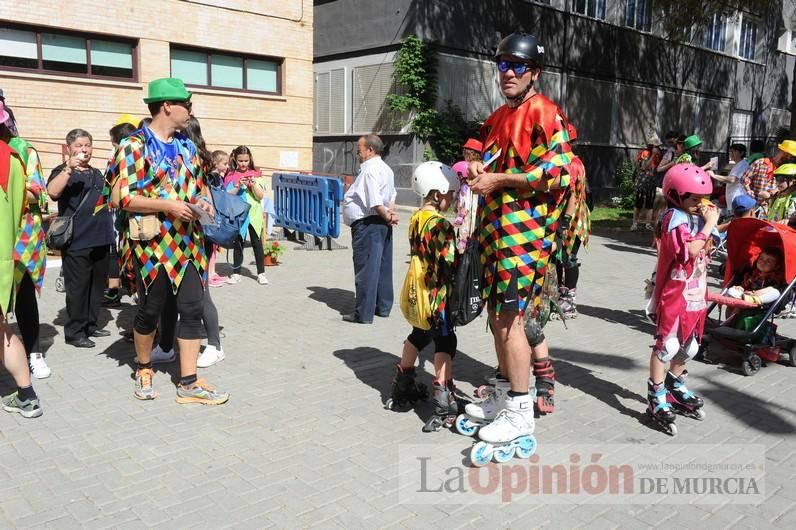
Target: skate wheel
<point x="503" y="454"/>
<point x="481" y="454"/>
<point x="752" y="365"/>
<point x="464" y="426"/>
<point x="671" y="429"/>
<point x="526" y="447"/>
<point x="389" y="405"/>
<point x="699" y="414"/>
<point x="482" y="392"/>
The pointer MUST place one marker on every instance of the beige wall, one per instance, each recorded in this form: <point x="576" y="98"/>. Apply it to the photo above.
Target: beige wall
<point x="48" y="106"/>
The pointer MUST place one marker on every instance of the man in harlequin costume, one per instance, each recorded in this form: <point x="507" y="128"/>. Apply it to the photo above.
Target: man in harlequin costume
<point x="12" y="204"/>
<point x="522" y="183"/>
<point x="156" y="172"/>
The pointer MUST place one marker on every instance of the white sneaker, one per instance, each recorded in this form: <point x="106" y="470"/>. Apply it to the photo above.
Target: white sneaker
<point x="210" y="357"/>
<point x="233" y="279"/>
<point x="489" y="408"/>
<point x="38" y="367"/>
<point x="261" y="279"/>
<point x="158" y="356"/>
<point x="512" y="422"/>
<point x="634" y="227"/>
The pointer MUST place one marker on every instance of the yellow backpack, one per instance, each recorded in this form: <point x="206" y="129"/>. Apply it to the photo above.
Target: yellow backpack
<point x="415" y="296"/>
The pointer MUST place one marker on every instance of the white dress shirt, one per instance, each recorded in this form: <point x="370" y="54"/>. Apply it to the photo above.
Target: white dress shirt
<point x="374" y="186"/>
<point x="735" y="188"/>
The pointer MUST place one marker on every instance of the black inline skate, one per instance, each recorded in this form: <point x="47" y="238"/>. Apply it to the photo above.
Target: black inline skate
<point x="405" y="391"/>
<point x="681" y="398"/>
<point x="545" y="382"/>
<point x="446" y="408"/>
<point x="659" y="409"/>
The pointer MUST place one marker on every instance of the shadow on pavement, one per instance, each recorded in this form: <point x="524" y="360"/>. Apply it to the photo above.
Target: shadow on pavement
<point x="753" y="411"/>
<point x="627" y="248"/>
<point x="633" y="318"/>
<point x="340" y="300"/>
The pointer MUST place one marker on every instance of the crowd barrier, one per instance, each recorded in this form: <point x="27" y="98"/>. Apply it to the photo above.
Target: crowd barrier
<point x="309" y="204"/>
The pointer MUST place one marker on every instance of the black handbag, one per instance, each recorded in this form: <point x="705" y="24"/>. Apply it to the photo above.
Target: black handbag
<point x="59" y="234"/>
<point x="466" y="298"/>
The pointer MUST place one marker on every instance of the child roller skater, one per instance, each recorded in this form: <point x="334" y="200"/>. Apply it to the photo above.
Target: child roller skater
<point x="680" y="292"/>
<point x="433" y="240"/>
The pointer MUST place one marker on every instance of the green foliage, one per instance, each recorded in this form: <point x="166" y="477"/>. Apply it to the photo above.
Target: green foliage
<point x="415" y="76"/>
<point x="681" y="17"/>
<point x="623" y="177"/>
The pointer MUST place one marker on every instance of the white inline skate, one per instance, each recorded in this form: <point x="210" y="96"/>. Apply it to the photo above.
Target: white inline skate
<point x="477" y="415"/>
<point x="508" y="435"/>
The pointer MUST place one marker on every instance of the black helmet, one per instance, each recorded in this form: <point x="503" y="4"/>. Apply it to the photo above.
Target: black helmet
<point x="522" y="46"/>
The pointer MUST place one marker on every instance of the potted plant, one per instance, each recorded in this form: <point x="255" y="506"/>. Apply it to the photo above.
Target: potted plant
<point x="272" y="253"/>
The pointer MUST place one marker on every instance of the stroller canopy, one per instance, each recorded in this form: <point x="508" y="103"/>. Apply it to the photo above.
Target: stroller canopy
<point x="747" y="237"/>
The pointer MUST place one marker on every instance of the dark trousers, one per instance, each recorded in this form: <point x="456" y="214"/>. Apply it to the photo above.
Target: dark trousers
<point x="188" y="302"/>
<point x="26" y="309"/>
<point x="371" y="240"/>
<point x="257" y="246"/>
<point x="85" y="276"/>
<point x="168" y="322"/>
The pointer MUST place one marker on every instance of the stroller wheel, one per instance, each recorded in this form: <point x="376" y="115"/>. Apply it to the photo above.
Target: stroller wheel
<point x="792" y="355"/>
<point x="752" y="365"/>
<point x="723" y="268"/>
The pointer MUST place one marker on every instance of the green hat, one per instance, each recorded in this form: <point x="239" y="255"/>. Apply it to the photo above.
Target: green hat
<point x="167" y="89"/>
<point x="691" y="142"/>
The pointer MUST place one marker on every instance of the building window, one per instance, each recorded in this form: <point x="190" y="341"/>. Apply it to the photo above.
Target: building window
<point x="638" y="14"/>
<point x="592" y="8"/>
<point x="66" y="53"/>
<point x="226" y="71"/>
<point x="748" y="39"/>
<point x="716" y="34"/>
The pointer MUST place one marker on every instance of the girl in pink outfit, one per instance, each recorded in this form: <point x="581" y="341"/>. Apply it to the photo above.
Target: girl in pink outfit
<point x="680" y="292"/>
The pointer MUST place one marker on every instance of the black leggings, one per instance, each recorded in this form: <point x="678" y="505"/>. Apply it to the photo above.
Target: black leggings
<point x="188" y="303"/>
<point x="257" y="246"/>
<point x="26" y="310"/>
<point x="168" y="323"/>
<point x="569" y="271"/>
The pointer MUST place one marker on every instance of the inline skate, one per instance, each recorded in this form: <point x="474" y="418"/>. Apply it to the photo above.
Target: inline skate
<point x="445" y="408"/>
<point x="545" y="377"/>
<point x="683" y="401"/>
<point x="405" y="390"/>
<point x="478" y="414"/>
<point x="659" y="409"/>
<point x="509" y="435"/>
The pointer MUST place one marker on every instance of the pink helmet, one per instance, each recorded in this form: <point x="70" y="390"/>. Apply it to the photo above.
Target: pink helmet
<point x="461" y="168"/>
<point x="685" y="178"/>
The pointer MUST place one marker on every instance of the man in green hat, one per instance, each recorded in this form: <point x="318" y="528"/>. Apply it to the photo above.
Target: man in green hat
<point x="690" y="150"/>
<point x="157" y="179"/>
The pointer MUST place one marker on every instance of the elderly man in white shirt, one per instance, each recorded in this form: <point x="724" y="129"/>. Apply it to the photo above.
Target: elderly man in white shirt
<point x="732" y="182"/>
<point x="368" y="209"/>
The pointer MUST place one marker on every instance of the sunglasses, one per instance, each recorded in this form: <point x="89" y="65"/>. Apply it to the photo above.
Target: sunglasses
<point x="187" y="105"/>
<point x="518" y="68"/>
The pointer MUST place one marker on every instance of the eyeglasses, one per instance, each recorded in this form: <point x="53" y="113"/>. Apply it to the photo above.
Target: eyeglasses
<point x="187" y="105"/>
<point x="519" y="68"/>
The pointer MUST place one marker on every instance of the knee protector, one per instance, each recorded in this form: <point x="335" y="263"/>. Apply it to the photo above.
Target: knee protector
<point x="533" y="332"/>
<point x="667" y="349"/>
<point x="446" y="344"/>
<point x="572" y="262"/>
<point x="419" y="338"/>
<point x="691" y="348"/>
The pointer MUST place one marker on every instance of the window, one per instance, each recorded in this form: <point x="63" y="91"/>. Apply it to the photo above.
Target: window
<point x="66" y="53"/>
<point x="715" y="36"/>
<point x="638" y="14"/>
<point x="748" y="39"/>
<point x="592" y="8"/>
<point x="226" y="71"/>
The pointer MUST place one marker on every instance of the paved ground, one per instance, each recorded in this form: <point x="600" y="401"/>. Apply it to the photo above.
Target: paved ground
<point x="305" y="441"/>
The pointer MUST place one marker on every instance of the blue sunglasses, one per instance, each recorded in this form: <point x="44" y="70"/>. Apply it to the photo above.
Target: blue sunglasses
<point x="519" y="68"/>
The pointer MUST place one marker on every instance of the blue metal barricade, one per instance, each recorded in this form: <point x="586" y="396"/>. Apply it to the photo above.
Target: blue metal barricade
<point x="308" y="203"/>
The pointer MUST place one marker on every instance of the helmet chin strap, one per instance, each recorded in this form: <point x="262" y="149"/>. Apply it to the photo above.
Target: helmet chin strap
<point x="516" y="100"/>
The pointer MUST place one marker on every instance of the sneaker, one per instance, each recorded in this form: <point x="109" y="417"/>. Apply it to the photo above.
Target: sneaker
<point x="143" y="384"/>
<point x="28" y="409"/>
<point x="217" y="281"/>
<point x="261" y="279"/>
<point x="233" y="279"/>
<point x="210" y="356"/>
<point x="38" y="367"/>
<point x="648" y="227"/>
<point x="112" y="297"/>
<point x="201" y="392"/>
<point x="634" y="227"/>
<point x="489" y="408"/>
<point x="158" y="356"/>
<point x="514" y="421"/>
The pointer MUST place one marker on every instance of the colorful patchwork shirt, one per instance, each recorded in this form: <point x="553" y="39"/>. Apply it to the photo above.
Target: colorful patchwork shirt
<point x="435" y="245"/>
<point x="517" y="227"/>
<point x="760" y="176"/>
<point x="30" y="252"/>
<point x="141" y="170"/>
<point x="581" y="219"/>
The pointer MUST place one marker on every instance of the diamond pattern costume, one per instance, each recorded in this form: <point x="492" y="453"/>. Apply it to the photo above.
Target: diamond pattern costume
<point x="30" y="252"/>
<point x="436" y="247"/>
<point x="517" y="227"/>
<point x="581" y="220"/>
<point x="12" y="204"/>
<point x="180" y="244"/>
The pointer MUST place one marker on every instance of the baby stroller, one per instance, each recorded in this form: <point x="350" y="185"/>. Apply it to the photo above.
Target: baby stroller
<point x="745" y="240"/>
